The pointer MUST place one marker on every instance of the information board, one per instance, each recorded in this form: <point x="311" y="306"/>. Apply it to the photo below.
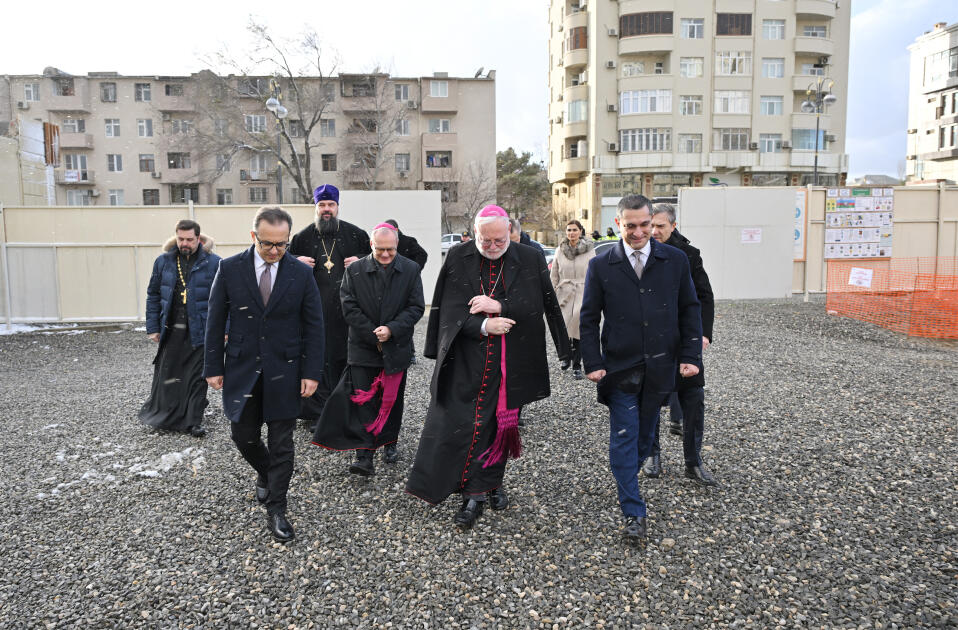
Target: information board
<point x="859" y="222"/>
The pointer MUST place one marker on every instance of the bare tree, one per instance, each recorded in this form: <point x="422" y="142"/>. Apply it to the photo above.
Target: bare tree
<point x="464" y="193"/>
<point x="379" y="121"/>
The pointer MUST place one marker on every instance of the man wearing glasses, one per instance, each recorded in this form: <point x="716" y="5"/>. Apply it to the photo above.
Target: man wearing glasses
<point x="274" y="355"/>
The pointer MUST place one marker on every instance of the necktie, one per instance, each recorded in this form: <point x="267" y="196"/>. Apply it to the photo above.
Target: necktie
<point x="639" y="267"/>
<point x="266" y="284"/>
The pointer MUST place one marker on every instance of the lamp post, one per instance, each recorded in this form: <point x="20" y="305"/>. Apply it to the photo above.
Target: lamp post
<point x="817" y="97"/>
<point x="274" y="105"/>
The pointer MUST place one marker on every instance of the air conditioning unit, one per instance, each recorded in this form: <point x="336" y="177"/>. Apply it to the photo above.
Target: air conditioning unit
<point x="752" y="146"/>
<point x="939" y="112"/>
<point x="559" y="119"/>
<point x="823" y="60"/>
<point x="613" y="147"/>
<point x="244" y="175"/>
<point x="613" y="32"/>
<point x="912" y="131"/>
<point x="612" y="107"/>
<point x="412" y="105"/>
<point x="23" y="105"/>
<point x="560" y="97"/>
<point x="610" y="65"/>
<point x="403" y="174"/>
<point x="166" y="116"/>
<point x="786" y="144"/>
<point x="829" y="137"/>
<point x="561" y="61"/>
<point x="155" y="175"/>
<point x="94" y="193"/>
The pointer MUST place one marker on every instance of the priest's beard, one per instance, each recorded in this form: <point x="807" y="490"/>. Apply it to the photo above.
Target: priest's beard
<point x="327" y="226"/>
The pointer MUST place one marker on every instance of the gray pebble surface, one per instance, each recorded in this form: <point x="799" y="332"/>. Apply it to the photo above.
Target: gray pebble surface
<point x="834" y="443"/>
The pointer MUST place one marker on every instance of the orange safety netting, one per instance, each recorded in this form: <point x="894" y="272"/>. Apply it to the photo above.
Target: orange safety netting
<point x="915" y="296"/>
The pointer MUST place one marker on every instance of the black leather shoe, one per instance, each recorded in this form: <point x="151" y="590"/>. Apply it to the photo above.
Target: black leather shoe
<point x="363" y="465"/>
<point x="390" y="454"/>
<point x="700" y="475"/>
<point x="469" y="513"/>
<point x="564" y="365"/>
<point x="498" y="499"/>
<point x="279" y="527"/>
<point x="262" y="490"/>
<point x="652" y="467"/>
<point x="577" y="375"/>
<point x="197" y="431"/>
<point x="635" y="528"/>
<point x="675" y="428"/>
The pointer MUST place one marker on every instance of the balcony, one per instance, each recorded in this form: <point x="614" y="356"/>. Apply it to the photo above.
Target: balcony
<point x="815" y="8"/>
<point x="76" y="141"/>
<point x="441" y="103"/>
<point x="358" y="103"/>
<point x="79" y="101"/>
<point x="576" y="58"/>
<point x="166" y="103"/>
<point x="645" y="160"/>
<point x="735" y="6"/>
<point x="641" y="6"/>
<point x="572" y="167"/>
<point x="801" y="82"/>
<point x="690" y="161"/>
<point x="651" y="82"/>
<point x="251" y="176"/>
<point x="733" y="159"/>
<point x="773" y="161"/>
<point x="833" y="161"/>
<point x="575" y="129"/>
<point x="807" y="121"/>
<point x="75" y="177"/>
<point x="575" y="20"/>
<point x="576" y="93"/>
<point x="642" y="44"/>
<point x="814" y="46"/>
<point x="440" y="140"/>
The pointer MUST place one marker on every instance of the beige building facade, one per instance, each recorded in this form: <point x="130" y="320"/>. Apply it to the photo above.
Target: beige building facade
<point x="933" y="107"/>
<point x="155" y="140"/>
<point x="650" y="96"/>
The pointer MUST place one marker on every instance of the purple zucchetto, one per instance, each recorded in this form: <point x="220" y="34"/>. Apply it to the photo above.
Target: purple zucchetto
<point x="326" y="191"/>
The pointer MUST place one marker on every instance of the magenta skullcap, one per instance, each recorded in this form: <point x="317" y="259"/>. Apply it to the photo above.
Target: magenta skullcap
<point x="388" y="226"/>
<point x="493" y="211"/>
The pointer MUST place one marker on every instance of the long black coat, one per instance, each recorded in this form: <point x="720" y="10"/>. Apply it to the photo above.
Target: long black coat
<point x="703" y="289"/>
<point x="411" y="249"/>
<point x="365" y="309"/>
<point x="282" y="340"/>
<point x="529" y="295"/>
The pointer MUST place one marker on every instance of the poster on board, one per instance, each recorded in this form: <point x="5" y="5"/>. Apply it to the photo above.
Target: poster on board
<point x="798" y="253"/>
<point x="859" y="222"/>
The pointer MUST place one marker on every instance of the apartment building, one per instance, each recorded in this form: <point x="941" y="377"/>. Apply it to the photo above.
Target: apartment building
<point x="932" y="152"/>
<point x="648" y="96"/>
<point x="149" y="140"/>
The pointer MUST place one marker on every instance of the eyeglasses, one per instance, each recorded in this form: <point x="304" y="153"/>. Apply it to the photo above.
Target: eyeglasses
<point x="270" y="245"/>
<point x="486" y="242"/>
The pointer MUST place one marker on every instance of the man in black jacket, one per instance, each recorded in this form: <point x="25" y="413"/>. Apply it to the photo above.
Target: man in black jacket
<point x="409" y="246"/>
<point x="690" y="391"/>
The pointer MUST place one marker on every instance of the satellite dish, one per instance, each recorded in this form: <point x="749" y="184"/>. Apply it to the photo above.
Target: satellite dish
<point x="479" y="72"/>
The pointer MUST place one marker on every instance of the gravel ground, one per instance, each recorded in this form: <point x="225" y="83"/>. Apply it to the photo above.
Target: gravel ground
<point x="834" y="443"/>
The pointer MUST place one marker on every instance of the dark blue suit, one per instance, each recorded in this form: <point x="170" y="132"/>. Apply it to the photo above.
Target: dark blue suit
<point x="271" y="348"/>
<point x="654" y="323"/>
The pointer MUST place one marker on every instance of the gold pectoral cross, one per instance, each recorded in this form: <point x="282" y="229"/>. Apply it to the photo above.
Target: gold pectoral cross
<point x="329" y="265"/>
<point x="183" y="293"/>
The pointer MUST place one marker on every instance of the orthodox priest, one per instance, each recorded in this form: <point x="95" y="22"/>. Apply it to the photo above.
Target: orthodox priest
<point x="329" y="246"/>
<point x="176" y="306"/>
<point x="382" y="301"/>
<point x="487" y="335"/>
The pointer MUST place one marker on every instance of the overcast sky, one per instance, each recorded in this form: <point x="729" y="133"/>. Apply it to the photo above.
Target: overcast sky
<point x="419" y="37"/>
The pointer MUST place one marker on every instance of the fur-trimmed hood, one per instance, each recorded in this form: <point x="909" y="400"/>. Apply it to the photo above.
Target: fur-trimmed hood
<point x="583" y="246"/>
<point x="205" y="239"/>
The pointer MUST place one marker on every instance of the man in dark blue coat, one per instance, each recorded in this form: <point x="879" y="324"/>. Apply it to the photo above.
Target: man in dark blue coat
<point x="652" y="322"/>
<point x="176" y="303"/>
<point x="274" y="355"/>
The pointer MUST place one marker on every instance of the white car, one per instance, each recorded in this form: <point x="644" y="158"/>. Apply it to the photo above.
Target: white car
<point x="448" y="240"/>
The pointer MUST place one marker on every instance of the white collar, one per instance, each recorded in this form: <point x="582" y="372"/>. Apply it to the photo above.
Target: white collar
<point x="644" y="251"/>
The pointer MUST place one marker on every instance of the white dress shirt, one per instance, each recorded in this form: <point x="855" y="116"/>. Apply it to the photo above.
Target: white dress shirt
<point x="259" y="264"/>
<point x="641" y="254"/>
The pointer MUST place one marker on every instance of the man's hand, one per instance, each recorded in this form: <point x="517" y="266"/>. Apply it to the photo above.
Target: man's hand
<point x="484" y="304"/>
<point x="307" y="259"/>
<point x="307" y="387"/>
<point x="154" y="337"/>
<point x="383" y="334"/>
<point x="216" y="382"/>
<point x="350" y="260"/>
<point x="499" y="325"/>
<point x="705" y="343"/>
<point x="687" y="370"/>
<point x="596" y="376"/>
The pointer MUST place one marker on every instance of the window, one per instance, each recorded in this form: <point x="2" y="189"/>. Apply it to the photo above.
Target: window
<point x="257" y="165"/>
<point x="578" y="148"/>
<point x="813" y="69"/>
<point x="173" y="89"/>
<point x="668" y="184"/>
<point x="439" y="125"/>
<point x="116" y="196"/>
<point x="691" y="67"/>
<point x="733" y="24"/>
<point x="31" y="91"/>
<point x="257" y="194"/>
<point x="141" y="92"/>
<point x="772" y="105"/>
<point x="108" y="92"/>
<point x="223" y="163"/>
<point x="692" y="28"/>
<point x="438" y="159"/>
<point x="732" y="102"/>
<point x="633" y="69"/>
<point x="450" y="190"/>
<point x="941" y="65"/>
<point x="329" y="91"/>
<point x="79" y="198"/>
<point x="770" y="143"/>
<point x="804" y="139"/>
<point x="769" y="179"/>
<point x="402" y="92"/>
<point x="147" y="163"/>
<point x="112" y="127"/>
<point x="814" y="31"/>
<point x="773" y="67"/>
<point x="652" y="23"/>
<point x="151" y="197"/>
<point x="327" y="128"/>
<point x="329" y="161"/>
<point x="690" y="105"/>
<point x="296" y="129"/>
<point x="255" y="123"/>
<point x="773" y="29"/>
<point x="647" y="139"/>
<point x="439" y="88"/>
<point x="76" y="162"/>
<point x="74" y="125"/>
<point x="402" y="162"/>
<point x="184" y="193"/>
<point x="577" y="111"/>
<point x="733" y="62"/>
<point x="578" y="38"/>
<point x="402" y="127"/>
<point x="645" y="101"/>
<point x="114" y="162"/>
<point x="144" y="127"/>
<point x="253" y="87"/>
<point x="178" y="160"/>
<point x="730" y="140"/>
<point x="690" y="143"/>
<point x="220" y="126"/>
<point x="224" y="196"/>
<point x="182" y="126"/>
<point x="63" y="87"/>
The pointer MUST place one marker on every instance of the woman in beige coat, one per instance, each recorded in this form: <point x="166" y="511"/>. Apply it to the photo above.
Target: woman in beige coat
<point x="568" y="278"/>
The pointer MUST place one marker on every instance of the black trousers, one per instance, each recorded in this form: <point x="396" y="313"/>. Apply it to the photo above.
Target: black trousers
<point x="273" y="460"/>
<point x="576" y="354"/>
<point x="692" y="403"/>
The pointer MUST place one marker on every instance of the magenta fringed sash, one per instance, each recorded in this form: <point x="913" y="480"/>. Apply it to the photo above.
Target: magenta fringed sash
<point x="389" y="384"/>
<point x="508" y="443"/>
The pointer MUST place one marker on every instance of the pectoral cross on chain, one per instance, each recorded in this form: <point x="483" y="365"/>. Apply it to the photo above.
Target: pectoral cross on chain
<point x="183" y="293"/>
<point x="329" y="265"/>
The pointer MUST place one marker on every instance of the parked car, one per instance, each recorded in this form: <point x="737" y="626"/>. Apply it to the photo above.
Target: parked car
<point x="550" y="253"/>
<point x="448" y="240"/>
<point x="604" y="245"/>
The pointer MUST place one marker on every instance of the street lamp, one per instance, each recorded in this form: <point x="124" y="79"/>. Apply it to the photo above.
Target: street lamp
<point x="817" y="97"/>
<point x="274" y="105"/>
